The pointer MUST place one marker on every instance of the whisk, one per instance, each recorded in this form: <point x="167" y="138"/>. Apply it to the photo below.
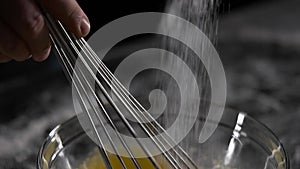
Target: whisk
<point x="97" y="105"/>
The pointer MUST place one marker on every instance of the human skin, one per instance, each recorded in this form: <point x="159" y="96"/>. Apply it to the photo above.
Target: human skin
<point x="23" y="31"/>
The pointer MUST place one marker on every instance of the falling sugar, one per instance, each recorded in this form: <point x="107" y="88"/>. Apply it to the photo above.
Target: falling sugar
<point x="193" y="96"/>
<point x="203" y="14"/>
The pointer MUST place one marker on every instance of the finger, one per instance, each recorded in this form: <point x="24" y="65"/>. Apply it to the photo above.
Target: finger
<point x="43" y="56"/>
<point x="26" y="19"/>
<point x="11" y="45"/>
<point x="4" y="58"/>
<point x="70" y="14"/>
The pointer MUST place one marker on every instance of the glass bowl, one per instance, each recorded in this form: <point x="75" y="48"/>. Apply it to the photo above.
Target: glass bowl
<point x="239" y="142"/>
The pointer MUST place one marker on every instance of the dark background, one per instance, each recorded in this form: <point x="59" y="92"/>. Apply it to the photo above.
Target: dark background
<point x="258" y="42"/>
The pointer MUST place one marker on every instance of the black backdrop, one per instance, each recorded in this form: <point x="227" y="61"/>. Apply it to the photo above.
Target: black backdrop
<point x="104" y="11"/>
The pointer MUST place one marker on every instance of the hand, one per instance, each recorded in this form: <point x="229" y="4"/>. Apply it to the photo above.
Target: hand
<point x="23" y="31"/>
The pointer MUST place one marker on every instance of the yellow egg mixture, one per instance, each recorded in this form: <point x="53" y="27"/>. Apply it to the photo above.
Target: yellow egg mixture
<point x="95" y="161"/>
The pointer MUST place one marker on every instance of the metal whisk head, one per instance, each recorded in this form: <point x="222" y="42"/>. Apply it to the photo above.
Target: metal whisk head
<point x="108" y="98"/>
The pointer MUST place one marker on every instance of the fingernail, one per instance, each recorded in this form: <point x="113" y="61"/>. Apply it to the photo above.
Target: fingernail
<point x="47" y="51"/>
<point x="85" y="27"/>
<point x="43" y="55"/>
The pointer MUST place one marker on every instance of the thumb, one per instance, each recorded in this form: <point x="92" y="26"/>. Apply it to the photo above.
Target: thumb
<point x="70" y="14"/>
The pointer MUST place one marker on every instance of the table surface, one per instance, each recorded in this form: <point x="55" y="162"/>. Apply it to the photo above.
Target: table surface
<point x="258" y="45"/>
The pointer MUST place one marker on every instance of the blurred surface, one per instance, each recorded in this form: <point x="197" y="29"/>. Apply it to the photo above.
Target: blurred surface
<point x="258" y="43"/>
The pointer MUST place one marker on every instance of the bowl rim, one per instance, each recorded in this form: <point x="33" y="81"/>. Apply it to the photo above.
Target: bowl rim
<point x="61" y="125"/>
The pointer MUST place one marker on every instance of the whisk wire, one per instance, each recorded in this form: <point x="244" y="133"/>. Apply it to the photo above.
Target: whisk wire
<point x="103" y="109"/>
<point x="66" y="62"/>
<point x="134" y="105"/>
<point x="64" y="57"/>
<point x="126" y="98"/>
<point x="69" y="47"/>
<point x="129" y="107"/>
